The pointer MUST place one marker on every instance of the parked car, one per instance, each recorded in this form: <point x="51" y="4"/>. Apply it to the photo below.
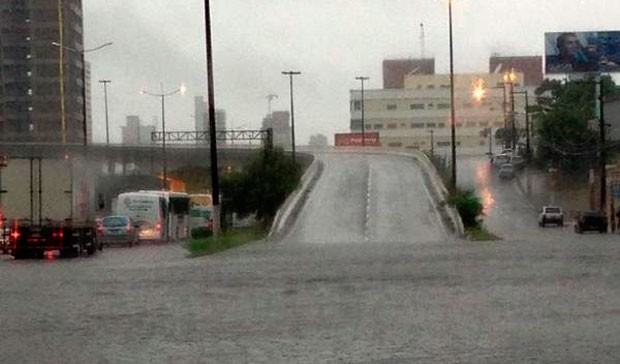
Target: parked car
<point x="518" y="162"/>
<point x="117" y="230"/>
<point x="551" y="214"/>
<point x="506" y="171"/>
<point x="590" y="221"/>
<point x="501" y="159"/>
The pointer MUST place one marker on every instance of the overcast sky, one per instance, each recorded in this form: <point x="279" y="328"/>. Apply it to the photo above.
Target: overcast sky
<point x="329" y="41"/>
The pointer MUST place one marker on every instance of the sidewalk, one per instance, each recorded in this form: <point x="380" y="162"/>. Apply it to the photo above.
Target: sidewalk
<point x="535" y="185"/>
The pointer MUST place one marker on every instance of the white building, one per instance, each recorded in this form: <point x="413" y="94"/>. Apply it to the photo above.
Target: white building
<point x="405" y="117"/>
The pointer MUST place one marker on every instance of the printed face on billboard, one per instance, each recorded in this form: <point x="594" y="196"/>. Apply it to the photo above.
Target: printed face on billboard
<point x="582" y="52"/>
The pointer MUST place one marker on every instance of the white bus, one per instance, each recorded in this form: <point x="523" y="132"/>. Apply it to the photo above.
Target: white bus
<point x="159" y="215"/>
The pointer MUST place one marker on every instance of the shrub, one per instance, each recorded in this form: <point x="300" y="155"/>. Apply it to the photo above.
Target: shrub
<point x="469" y="207"/>
<point x="201" y="232"/>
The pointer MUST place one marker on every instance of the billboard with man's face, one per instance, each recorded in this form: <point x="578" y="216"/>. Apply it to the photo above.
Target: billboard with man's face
<point x="581" y="52"/>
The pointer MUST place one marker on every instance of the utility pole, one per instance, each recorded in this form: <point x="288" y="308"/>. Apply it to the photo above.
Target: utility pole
<point x="215" y="180"/>
<point x="452" y="106"/>
<point x="290" y="74"/>
<point x="107" y="125"/>
<point x="362" y="79"/>
<point x="432" y="142"/>
<point x="528" y="147"/>
<point x="513" y="123"/>
<point x="603" y="157"/>
<point x="490" y="131"/>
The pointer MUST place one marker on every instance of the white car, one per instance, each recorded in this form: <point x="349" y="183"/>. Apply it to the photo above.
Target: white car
<point x="551" y="214"/>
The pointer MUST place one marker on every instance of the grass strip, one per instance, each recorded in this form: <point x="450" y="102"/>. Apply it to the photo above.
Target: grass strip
<point x="479" y="233"/>
<point x="227" y="240"/>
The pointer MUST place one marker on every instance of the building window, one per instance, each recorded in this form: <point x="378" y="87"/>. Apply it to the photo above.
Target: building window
<point x="395" y="144"/>
<point x="416" y="107"/>
<point x="441" y="125"/>
<point x="443" y="144"/>
<point x="470" y="124"/>
<point x="431" y="125"/>
<point x="467" y="105"/>
<point x="445" y="86"/>
<point x="392" y="126"/>
<point x="459" y="125"/>
<point x="430" y="87"/>
<point x="430" y="106"/>
<point x="402" y="125"/>
<point x="443" y="106"/>
<point x="483" y="124"/>
<point x="357" y="105"/>
<point x="391" y="107"/>
<point x="417" y="125"/>
<point x="418" y="87"/>
<point x="378" y="126"/>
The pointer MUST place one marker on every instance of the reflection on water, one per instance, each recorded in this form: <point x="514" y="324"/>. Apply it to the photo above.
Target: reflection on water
<point x="483" y="182"/>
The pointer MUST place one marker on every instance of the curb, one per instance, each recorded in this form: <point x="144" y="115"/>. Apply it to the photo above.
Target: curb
<point x="441" y="193"/>
<point x="289" y="210"/>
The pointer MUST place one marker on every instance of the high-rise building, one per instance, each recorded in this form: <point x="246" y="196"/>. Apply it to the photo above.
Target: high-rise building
<point x="278" y="121"/>
<point x="136" y="133"/>
<point x="201" y="115"/>
<point x="395" y="70"/>
<point x="530" y="66"/>
<point x="35" y="104"/>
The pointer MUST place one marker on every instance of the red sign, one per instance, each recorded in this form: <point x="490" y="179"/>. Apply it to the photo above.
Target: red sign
<point x="355" y="139"/>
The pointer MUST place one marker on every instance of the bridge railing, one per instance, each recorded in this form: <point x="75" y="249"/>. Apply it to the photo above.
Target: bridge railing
<point x="263" y="135"/>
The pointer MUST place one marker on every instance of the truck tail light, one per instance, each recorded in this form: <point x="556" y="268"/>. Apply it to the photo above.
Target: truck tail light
<point x="15" y="234"/>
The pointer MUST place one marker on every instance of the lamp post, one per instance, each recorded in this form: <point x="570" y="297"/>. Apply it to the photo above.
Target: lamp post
<point x="432" y="132"/>
<point x="362" y="79"/>
<point x="162" y="96"/>
<point x="528" y="150"/>
<point x="290" y="74"/>
<point x="510" y="78"/>
<point x="105" y="95"/>
<point x="84" y="113"/>
<point x="452" y="107"/>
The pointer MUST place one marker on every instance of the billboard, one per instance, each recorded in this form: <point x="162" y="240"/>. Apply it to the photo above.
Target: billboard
<point x="580" y="52"/>
<point x="371" y="139"/>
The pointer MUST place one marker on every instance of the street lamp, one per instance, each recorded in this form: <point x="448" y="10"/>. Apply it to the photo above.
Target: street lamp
<point x="105" y="95"/>
<point x="362" y="79"/>
<point x="432" y="132"/>
<point x="82" y="52"/>
<point x="452" y="107"/>
<point x="510" y="78"/>
<point x="163" y="95"/>
<point x="290" y="74"/>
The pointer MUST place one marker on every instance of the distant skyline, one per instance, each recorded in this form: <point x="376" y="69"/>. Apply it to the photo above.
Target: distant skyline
<point x="329" y="41"/>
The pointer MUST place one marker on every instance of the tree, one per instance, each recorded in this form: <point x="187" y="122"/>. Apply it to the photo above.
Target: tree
<point x="563" y="118"/>
<point x="263" y="186"/>
<point x="318" y="140"/>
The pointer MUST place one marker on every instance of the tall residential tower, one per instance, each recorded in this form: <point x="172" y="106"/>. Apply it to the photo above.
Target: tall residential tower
<point x="34" y="104"/>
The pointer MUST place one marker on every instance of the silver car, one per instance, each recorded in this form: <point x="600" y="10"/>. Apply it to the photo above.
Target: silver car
<point x="117" y="230"/>
<point x="506" y="171"/>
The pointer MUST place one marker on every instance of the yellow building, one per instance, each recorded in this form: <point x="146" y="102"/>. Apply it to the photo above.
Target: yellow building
<point x="406" y="117"/>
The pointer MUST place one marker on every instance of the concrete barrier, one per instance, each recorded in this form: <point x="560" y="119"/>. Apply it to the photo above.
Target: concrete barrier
<point x="289" y="210"/>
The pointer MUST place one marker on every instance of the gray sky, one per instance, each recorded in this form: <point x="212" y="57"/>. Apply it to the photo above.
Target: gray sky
<point x="329" y="41"/>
